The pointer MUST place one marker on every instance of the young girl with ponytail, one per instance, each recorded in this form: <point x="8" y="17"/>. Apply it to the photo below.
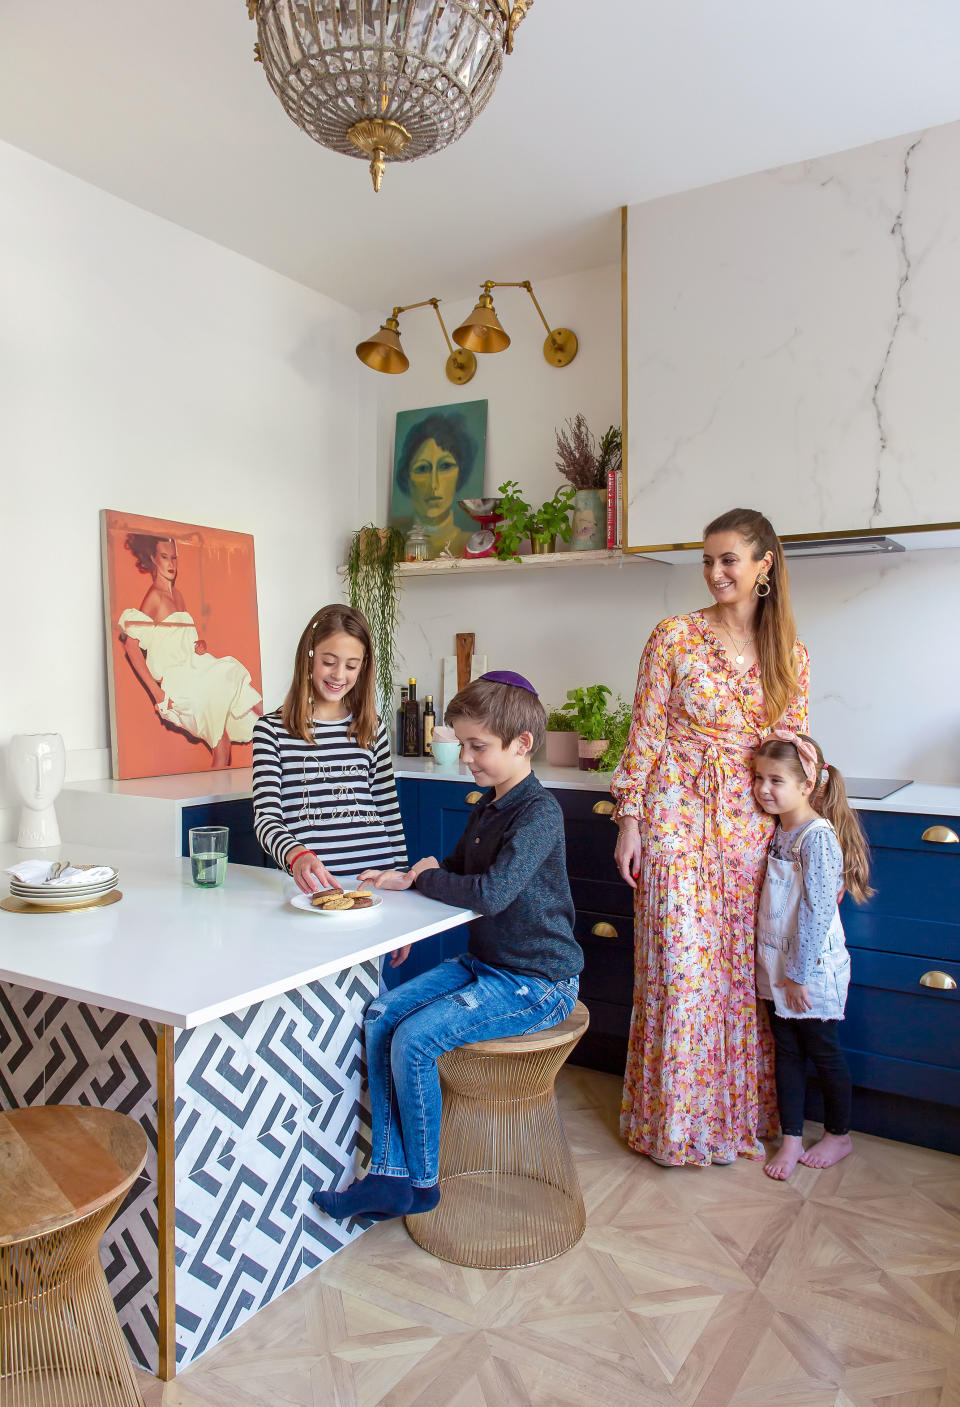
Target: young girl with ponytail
<point x="803" y="969"/>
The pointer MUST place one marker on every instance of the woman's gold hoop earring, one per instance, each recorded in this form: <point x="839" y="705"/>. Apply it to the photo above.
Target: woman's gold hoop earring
<point x="761" y="586"/>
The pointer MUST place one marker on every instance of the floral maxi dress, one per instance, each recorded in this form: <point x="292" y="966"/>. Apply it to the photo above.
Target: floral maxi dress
<point x="699" y="1078"/>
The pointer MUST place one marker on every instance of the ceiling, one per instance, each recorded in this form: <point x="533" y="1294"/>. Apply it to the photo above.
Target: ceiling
<point x="603" y="103"/>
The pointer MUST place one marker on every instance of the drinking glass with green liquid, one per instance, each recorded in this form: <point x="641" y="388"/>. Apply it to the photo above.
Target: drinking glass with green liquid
<point x="208" y="855"/>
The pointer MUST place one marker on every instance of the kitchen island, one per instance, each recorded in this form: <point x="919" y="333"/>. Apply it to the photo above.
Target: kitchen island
<point x="228" y="1024"/>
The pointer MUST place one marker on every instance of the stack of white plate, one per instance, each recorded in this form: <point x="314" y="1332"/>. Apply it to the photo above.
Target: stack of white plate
<point x="63" y="896"/>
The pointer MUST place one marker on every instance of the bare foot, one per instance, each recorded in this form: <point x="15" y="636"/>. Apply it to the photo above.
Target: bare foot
<point x="827" y="1150"/>
<point x="783" y="1162"/>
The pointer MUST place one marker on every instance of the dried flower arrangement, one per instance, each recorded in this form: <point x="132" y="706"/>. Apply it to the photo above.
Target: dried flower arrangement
<point x="581" y="460"/>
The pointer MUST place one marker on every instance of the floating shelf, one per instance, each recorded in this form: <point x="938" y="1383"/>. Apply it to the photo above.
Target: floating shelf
<point x="605" y="557"/>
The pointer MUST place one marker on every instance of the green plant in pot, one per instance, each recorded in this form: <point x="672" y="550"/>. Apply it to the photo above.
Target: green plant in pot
<point x="373" y="587"/>
<point x="520" y="520"/>
<point x="619" y="719"/>
<point x="588" y="706"/>
<point x="552" y="520"/>
<point x="562" y="739"/>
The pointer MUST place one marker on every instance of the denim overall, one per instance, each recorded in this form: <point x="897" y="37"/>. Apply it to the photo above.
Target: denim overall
<point x="777" y="917"/>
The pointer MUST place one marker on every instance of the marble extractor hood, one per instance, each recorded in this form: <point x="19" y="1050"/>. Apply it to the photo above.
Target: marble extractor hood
<point x="869" y="542"/>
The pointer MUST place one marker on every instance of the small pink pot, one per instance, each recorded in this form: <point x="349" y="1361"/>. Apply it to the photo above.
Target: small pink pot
<point x="590" y="753"/>
<point x="562" y="749"/>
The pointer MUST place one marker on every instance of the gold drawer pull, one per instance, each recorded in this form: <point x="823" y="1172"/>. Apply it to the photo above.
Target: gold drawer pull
<point x="941" y="980"/>
<point x="941" y="835"/>
<point x="603" y="808"/>
<point x="472" y="797"/>
<point x="603" y="930"/>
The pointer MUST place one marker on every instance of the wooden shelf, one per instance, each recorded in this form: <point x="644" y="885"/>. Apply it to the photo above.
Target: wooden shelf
<point x="605" y="557"/>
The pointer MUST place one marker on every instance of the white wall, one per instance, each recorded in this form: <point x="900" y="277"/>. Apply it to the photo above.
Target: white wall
<point x="885" y="680"/>
<point x="146" y="369"/>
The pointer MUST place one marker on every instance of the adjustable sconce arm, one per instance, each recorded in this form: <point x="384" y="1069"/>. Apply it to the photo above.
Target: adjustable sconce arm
<point x="560" y="345"/>
<point x="383" y="351"/>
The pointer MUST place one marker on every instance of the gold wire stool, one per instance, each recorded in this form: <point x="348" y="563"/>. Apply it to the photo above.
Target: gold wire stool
<point x="510" y="1195"/>
<point x="64" y="1172"/>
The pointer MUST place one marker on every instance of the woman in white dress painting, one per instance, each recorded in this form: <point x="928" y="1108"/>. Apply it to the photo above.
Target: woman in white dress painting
<point x="208" y="697"/>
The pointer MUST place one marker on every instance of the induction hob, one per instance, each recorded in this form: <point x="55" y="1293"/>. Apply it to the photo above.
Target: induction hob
<point x="874" y="788"/>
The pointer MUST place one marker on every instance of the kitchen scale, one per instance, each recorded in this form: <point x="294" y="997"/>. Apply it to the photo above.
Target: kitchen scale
<point x="485" y="511"/>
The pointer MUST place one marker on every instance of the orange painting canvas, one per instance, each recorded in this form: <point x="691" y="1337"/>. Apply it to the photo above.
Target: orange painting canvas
<point x="183" y="645"/>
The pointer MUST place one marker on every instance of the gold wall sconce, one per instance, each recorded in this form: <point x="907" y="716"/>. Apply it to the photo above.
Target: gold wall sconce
<point x="482" y="331"/>
<point x="383" y="352"/>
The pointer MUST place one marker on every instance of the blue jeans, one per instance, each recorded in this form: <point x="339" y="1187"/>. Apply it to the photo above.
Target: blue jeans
<point x="460" y="1001"/>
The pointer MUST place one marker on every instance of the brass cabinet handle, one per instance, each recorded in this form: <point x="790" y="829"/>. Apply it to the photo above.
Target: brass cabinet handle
<point x="603" y="808"/>
<point x="603" y="930"/>
<point x="472" y="797"/>
<point x="941" y="835"/>
<point x="941" y="980"/>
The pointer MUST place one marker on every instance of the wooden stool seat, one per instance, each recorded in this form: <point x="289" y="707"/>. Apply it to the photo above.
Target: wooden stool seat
<point x="509" y="1192"/>
<point x="64" y="1172"/>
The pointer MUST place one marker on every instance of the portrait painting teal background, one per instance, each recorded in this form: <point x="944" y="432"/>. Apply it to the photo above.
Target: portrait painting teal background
<point x="430" y="443"/>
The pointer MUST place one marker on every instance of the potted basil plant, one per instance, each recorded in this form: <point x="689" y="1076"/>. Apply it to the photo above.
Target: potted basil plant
<point x="589" y="709"/>
<point x="520" y="520"/>
<point x="562" y="740"/>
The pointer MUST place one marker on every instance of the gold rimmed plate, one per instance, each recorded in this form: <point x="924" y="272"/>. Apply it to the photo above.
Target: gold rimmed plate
<point x="13" y="905"/>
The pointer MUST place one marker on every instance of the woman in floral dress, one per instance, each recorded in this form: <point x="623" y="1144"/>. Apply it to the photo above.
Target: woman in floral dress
<point x="692" y="843"/>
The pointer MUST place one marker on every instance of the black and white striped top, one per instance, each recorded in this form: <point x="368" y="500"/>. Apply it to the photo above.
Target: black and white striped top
<point x="334" y="797"/>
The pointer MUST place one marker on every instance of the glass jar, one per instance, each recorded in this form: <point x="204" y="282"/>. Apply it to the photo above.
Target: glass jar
<point x="416" y="544"/>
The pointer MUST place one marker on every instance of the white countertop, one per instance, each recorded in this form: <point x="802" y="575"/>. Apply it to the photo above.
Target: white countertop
<point x="180" y="955"/>
<point x="919" y="798"/>
<point x="199" y="788"/>
<point x="560" y="778"/>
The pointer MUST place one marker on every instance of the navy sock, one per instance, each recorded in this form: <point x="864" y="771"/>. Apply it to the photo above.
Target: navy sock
<point x="374" y="1196"/>
<point x="424" y="1199"/>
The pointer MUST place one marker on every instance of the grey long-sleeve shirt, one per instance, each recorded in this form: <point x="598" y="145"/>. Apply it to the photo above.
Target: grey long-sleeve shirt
<point x="510" y="865"/>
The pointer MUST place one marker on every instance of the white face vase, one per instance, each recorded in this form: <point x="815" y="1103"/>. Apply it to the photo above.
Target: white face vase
<point x="37" y="767"/>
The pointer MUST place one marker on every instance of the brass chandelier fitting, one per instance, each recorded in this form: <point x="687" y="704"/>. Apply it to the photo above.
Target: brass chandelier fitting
<point x="482" y="331"/>
<point x="383" y="352"/>
<point x="392" y="80"/>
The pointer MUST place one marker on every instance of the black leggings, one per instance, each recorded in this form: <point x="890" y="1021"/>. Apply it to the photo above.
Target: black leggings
<point x="796" y="1042"/>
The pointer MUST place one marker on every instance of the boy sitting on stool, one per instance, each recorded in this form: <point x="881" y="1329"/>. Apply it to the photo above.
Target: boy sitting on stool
<point x="520" y="972"/>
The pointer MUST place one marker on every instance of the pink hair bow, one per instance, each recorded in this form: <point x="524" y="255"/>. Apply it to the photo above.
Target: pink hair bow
<point x="805" y="751"/>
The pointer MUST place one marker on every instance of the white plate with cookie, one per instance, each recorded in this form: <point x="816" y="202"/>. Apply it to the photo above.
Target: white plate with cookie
<point x="352" y="904"/>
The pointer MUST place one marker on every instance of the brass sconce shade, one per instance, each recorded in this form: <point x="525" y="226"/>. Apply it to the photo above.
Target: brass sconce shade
<point x="383" y="351"/>
<point x="482" y="331"/>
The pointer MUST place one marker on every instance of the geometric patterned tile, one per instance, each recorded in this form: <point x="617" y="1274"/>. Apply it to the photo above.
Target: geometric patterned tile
<point x="269" y="1102"/>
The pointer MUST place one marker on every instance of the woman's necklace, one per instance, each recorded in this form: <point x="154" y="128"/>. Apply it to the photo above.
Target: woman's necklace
<point x="738" y="645"/>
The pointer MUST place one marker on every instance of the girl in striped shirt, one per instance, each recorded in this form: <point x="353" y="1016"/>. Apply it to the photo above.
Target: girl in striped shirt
<point x="324" y="795"/>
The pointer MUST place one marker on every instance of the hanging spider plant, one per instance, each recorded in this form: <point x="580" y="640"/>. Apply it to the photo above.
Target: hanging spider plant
<point x="373" y="587"/>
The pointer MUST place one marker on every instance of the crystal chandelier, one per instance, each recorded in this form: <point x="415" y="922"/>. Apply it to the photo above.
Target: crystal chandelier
<point x="388" y="80"/>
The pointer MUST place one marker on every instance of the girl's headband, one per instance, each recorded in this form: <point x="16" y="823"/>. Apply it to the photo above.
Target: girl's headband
<point x="805" y="751"/>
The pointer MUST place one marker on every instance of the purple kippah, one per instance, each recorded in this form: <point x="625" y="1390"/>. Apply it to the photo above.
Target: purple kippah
<point x="507" y="676"/>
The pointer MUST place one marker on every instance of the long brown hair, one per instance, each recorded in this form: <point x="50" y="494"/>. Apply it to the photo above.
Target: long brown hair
<point x="297" y="711"/>
<point x="776" y="630"/>
<point x="829" y="799"/>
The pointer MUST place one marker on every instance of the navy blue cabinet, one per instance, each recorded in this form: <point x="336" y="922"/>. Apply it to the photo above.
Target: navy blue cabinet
<point x="901" y="1036"/>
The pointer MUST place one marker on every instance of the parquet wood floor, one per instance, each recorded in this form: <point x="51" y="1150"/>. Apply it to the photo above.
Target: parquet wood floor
<point x="691" y="1288"/>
